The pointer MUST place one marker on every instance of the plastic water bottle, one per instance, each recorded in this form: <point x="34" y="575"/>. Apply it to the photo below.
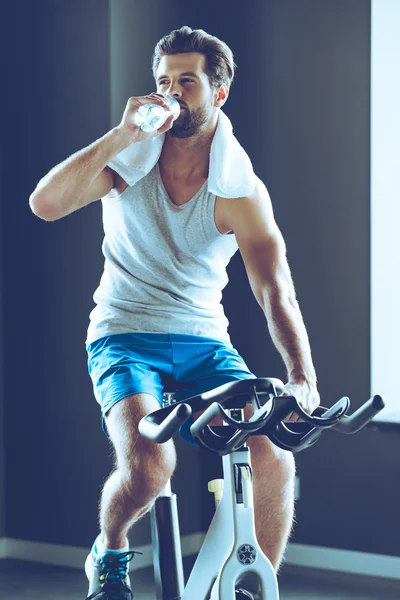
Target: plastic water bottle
<point x="152" y="116"/>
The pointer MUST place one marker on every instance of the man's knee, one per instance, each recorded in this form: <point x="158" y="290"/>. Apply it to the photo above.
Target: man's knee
<point x="276" y="464"/>
<point x="146" y="474"/>
<point x="288" y="465"/>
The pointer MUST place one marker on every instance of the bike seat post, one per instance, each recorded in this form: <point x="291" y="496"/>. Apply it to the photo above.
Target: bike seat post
<point x="168" y="398"/>
<point x="238" y="415"/>
<point x="167" y="552"/>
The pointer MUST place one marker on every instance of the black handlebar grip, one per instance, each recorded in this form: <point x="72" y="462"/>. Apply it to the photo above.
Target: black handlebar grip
<point x="162" y="432"/>
<point x="361" y="417"/>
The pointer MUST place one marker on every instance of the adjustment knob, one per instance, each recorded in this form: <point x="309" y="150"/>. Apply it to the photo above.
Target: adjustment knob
<point x="217" y="487"/>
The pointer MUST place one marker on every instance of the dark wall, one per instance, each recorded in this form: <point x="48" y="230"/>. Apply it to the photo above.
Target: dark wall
<point x="305" y="73"/>
<point x="3" y="51"/>
<point x="58" y="85"/>
<point x="59" y="102"/>
<point x="2" y="447"/>
<point x="300" y="107"/>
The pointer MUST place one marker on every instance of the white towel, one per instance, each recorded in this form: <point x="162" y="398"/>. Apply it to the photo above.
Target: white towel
<point x="230" y="173"/>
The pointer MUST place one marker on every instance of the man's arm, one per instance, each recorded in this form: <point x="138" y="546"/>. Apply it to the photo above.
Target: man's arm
<point x="264" y="254"/>
<point x="79" y="180"/>
<point x="85" y="177"/>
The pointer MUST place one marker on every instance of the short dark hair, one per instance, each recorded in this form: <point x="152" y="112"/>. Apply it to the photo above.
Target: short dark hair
<point x="220" y="66"/>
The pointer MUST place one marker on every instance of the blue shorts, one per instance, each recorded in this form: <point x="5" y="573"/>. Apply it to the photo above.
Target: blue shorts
<point x="131" y="363"/>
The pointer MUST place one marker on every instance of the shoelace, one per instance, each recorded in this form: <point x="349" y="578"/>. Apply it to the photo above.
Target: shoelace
<point x="114" y="572"/>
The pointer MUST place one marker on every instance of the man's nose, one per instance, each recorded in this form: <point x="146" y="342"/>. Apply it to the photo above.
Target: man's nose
<point x="174" y="90"/>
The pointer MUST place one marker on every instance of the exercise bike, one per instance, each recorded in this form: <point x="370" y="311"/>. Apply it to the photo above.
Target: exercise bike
<point x="230" y="564"/>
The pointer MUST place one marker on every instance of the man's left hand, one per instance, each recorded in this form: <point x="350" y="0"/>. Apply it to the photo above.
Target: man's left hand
<point x="306" y="395"/>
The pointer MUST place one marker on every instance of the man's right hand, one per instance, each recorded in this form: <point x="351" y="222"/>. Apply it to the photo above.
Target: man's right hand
<point x="128" y="124"/>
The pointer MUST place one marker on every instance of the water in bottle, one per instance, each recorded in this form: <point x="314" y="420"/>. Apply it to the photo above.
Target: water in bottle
<point x="152" y="116"/>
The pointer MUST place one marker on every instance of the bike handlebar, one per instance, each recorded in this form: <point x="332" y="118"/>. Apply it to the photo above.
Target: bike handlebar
<point x="161" y="431"/>
<point x="268" y="419"/>
<point x="362" y="416"/>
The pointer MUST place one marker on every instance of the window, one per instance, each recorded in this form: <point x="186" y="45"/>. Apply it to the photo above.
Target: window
<point x="385" y="205"/>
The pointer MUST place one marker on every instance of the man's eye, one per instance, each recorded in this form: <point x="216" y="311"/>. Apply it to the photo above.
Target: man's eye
<point x="186" y="79"/>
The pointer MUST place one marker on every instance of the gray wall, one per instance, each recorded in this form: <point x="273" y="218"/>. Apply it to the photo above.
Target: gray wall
<point x="310" y="91"/>
<point x="3" y="48"/>
<point x="59" y="86"/>
<point x="300" y="107"/>
<point x="2" y="448"/>
<point x="59" y="76"/>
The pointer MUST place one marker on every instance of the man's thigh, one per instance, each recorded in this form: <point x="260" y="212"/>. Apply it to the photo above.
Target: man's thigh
<point x="122" y="366"/>
<point x="132" y="450"/>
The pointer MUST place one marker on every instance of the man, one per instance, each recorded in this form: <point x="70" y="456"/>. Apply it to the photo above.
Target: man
<point x="158" y="318"/>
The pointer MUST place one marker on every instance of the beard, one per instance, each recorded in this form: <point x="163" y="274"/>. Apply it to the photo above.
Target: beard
<point x="189" y="123"/>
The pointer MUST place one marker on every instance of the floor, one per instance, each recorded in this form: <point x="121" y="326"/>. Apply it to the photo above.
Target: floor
<point x="21" y="580"/>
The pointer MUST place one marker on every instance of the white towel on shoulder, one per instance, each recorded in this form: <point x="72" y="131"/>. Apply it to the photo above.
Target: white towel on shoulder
<point x="230" y="173"/>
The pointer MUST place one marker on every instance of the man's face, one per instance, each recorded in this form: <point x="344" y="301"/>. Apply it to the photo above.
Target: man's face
<point x="182" y="76"/>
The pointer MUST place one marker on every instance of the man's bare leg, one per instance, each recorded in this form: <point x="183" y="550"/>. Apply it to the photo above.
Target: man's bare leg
<point x="273" y="487"/>
<point x="142" y="470"/>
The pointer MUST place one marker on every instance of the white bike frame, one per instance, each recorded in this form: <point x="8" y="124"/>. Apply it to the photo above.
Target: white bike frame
<point x="230" y="557"/>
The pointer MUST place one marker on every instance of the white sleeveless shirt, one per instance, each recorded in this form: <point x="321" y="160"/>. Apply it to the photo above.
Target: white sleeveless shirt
<point x="165" y="265"/>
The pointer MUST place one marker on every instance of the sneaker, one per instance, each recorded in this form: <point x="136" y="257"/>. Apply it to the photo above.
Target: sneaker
<point x="108" y="575"/>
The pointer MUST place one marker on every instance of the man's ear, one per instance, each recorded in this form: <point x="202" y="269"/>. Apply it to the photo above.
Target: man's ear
<point x="222" y="95"/>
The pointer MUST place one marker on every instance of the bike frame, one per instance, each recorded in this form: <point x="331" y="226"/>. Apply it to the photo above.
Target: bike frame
<point x="230" y="556"/>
